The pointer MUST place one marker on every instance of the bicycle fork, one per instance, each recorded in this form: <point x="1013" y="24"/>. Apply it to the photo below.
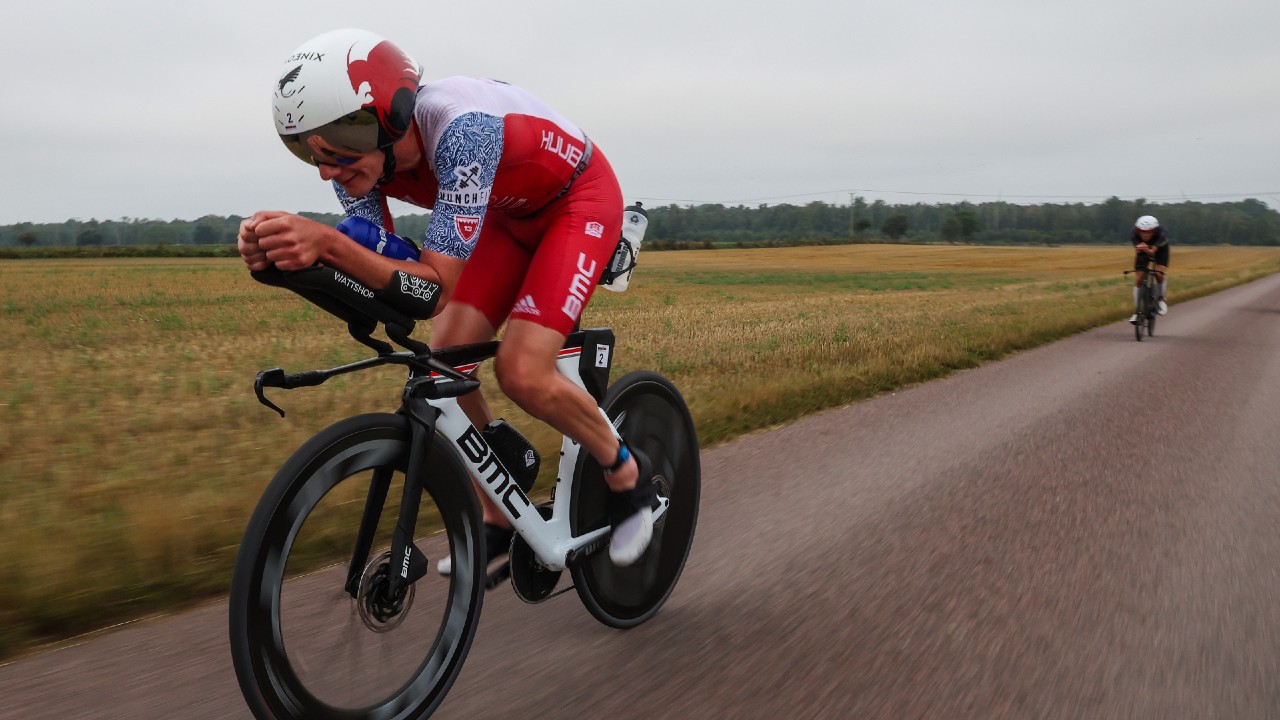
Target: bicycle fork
<point x="408" y="564"/>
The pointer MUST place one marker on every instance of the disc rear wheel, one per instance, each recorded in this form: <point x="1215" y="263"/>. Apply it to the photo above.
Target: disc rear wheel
<point x="653" y="418"/>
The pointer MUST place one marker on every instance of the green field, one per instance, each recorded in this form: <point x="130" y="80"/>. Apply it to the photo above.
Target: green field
<point x="132" y="449"/>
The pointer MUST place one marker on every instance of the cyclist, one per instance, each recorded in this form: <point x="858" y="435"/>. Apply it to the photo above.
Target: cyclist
<point x="526" y="213"/>
<point x="1150" y="238"/>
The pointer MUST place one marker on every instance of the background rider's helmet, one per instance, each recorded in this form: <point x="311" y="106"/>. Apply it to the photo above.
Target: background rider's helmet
<point x="1147" y="222"/>
<point x="352" y="88"/>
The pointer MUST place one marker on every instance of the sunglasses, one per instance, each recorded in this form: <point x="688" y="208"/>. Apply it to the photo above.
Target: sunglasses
<point x="316" y="153"/>
<point x="335" y="159"/>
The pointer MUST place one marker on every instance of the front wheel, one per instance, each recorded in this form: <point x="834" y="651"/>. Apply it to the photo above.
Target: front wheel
<point x="651" y="415"/>
<point x="314" y="631"/>
<point x="1140" y="313"/>
<point x="1152" y="312"/>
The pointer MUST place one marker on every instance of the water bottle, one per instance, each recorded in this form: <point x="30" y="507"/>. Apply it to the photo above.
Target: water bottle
<point x="634" y="222"/>
<point x="377" y="239"/>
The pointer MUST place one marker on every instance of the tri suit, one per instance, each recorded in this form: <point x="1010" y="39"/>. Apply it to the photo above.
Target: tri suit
<point x="1160" y="240"/>
<point x="517" y="191"/>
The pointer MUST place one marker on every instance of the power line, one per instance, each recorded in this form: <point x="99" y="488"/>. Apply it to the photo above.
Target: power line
<point x="1001" y="196"/>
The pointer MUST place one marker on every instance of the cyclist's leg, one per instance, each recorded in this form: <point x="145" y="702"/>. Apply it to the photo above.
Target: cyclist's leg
<point x="526" y="369"/>
<point x="575" y="238"/>
<point x="572" y="251"/>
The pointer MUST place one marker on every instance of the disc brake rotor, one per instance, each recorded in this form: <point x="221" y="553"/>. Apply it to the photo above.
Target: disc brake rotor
<point x="378" y="612"/>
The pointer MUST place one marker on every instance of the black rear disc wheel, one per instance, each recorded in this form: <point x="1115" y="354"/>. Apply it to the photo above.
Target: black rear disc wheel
<point x="652" y="416"/>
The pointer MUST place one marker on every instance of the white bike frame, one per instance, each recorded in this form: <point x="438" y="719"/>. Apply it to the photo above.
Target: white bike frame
<point x="552" y="539"/>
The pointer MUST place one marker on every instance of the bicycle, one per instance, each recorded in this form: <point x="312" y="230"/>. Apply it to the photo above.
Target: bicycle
<point x="1148" y="307"/>
<point x="391" y="635"/>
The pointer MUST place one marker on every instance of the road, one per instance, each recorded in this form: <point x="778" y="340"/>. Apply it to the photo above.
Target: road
<point x="1087" y="530"/>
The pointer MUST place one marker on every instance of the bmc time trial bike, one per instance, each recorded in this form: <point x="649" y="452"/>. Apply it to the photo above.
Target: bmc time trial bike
<point x="382" y="635"/>
<point x="1148" y="306"/>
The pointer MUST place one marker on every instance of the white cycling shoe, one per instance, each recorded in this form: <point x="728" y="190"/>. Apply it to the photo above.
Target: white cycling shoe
<point x="1162" y="308"/>
<point x="631" y="512"/>
<point x="1133" y="319"/>
<point x="631" y="538"/>
<point x="629" y="541"/>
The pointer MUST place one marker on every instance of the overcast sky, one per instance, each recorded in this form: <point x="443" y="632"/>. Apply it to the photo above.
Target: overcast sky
<point x="152" y="109"/>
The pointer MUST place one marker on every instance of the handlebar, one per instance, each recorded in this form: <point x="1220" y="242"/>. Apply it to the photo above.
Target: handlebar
<point x="358" y="305"/>
<point x="349" y="300"/>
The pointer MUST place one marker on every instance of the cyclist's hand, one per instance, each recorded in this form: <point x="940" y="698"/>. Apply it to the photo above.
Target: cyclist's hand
<point x="288" y="241"/>
<point x="247" y="246"/>
<point x="247" y="240"/>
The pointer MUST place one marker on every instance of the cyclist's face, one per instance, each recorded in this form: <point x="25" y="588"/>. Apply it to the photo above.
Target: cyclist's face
<point x="1146" y="235"/>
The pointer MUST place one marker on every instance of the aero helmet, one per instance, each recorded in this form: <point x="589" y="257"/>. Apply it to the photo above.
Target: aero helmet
<point x="351" y="88"/>
<point x="1147" y="222"/>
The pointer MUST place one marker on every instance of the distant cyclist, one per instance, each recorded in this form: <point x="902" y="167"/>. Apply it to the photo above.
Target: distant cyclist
<point x="1150" y="238"/>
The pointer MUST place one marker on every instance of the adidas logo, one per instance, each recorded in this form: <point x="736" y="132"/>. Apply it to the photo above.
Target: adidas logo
<point x="526" y="306"/>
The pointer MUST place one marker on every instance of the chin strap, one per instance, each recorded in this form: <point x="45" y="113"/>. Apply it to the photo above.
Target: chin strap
<point x="388" y="166"/>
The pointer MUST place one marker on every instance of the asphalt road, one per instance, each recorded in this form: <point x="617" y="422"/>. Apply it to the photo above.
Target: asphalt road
<point x="1086" y="530"/>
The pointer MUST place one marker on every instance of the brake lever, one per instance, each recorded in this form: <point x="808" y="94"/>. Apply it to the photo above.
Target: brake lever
<point x="269" y="378"/>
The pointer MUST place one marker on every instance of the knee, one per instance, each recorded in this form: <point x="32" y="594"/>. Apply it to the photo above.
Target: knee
<point x="525" y="380"/>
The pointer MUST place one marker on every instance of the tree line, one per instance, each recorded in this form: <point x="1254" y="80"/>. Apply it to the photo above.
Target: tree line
<point x="1247" y="222"/>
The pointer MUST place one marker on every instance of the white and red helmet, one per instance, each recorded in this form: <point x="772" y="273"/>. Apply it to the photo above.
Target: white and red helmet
<point x="352" y="88"/>
<point x="1147" y="222"/>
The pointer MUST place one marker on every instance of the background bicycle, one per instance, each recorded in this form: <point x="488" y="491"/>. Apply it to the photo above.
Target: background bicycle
<point x="1147" y="307"/>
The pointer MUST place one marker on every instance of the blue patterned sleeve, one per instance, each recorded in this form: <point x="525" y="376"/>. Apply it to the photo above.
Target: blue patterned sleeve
<point x="368" y="207"/>
<point x="466" y="162"/>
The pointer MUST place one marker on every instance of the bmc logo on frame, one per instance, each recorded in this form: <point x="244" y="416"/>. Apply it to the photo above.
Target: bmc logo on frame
<point x="491" y="471"/>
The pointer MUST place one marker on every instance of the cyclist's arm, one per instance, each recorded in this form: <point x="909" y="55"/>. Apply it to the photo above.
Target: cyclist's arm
<point x="466" y="162"/>
<point x="376" y="270"/>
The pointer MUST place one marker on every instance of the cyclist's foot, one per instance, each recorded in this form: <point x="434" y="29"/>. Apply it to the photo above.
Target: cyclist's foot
<point x="497" y="540"/>
<point x="1161" y="307"/>
<point x="631" y="513"/>
<point x="1133" y="320"/>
